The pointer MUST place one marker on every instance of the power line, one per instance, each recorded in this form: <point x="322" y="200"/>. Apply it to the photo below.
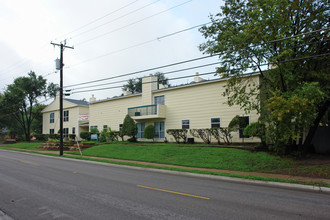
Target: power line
<point x="165" y="73"/>
<point x="100" y="18"/>
<point x="128" y="25"/>
<point x="136" y="45"/>
<point x="284" y="61"/>
<point x="141" y="71"/>
<point x="129" y="13"/>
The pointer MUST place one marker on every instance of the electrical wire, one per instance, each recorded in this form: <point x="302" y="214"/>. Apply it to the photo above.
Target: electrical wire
<point x="100" y="18"/>
<point x="141" y="71"/>
<point x="101" y="25"/>
<point x="164" y="73"/>
<point x="284" y="61"/>
<point x="133" y="23"/>
<point x="136" y="45"/>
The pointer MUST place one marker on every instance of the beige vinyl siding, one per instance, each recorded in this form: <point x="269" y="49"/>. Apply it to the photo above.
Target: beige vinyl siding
<point x="198" y="104"/>
<point x="111" y="112"/>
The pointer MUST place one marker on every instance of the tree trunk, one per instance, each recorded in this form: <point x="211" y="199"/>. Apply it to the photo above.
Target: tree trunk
<point x="312" y="130"/>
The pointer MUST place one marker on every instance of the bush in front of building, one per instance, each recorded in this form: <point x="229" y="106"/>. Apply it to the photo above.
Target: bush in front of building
<point x="222" y="133"/>
<point x="41" y="137"/>
<point x="85" y="135"/>
<point x="129" y="128"/>
<point x="178" y="134"/>
<point x="149" y="132"/>
<point x="54" y="136"/>
<point x="204" y="134"/>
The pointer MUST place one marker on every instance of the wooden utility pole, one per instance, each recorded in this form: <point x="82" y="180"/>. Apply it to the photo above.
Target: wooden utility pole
<point x="62" y="46"/>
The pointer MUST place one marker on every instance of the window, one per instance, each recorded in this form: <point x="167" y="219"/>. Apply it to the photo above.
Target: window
<point x="140" y="129"/>
<point x="65" y="132"/>
<point x="66" y="115"/>
<point x="51" y="131"/>
<point x="215" y="122"/>
<point x="159" y="129"/>
<point x="51" y="117"/>
<point x="73" y="130"/>
<point x="120" y="127"/>
<point x="159" y="100"/>
<point x="105" y="127"/>
<point x="93" y="127"/>
<point x="244" y="121"/>
<point x="185" y="124"/>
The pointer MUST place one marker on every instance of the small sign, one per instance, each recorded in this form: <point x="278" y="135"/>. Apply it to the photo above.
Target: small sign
<point x="83" y="117"/>
<point x="94" y="137"/>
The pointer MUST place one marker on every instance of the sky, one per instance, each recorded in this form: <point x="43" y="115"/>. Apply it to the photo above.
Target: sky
<point x="110" y="38"/>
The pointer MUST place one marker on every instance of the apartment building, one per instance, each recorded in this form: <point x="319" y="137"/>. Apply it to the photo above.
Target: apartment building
<point x="75" y="117"/>
<point x="200" y="104"/>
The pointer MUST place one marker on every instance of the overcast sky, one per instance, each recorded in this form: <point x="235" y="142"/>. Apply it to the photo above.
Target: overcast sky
<point x="105" y="35"/>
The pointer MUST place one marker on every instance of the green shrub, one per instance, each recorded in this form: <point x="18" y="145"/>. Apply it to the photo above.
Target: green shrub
<point x="72" y="137"/>
<point x="85" y="135"/>
<point x="222" y="133"/>
<point x="41" y="137"/>
<point x="256" y="129"/>
<point x="54" y="136"/>
<point x="129" y="127"/>
<point x="204" y="134"/>
<point x="149" y="132"/>
<point x="178" y="134"/>
<point x="94" y="131"/>
<point x="132" y="139"/>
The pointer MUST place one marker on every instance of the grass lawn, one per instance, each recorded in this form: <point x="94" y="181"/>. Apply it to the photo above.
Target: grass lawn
<point x="206" y="157"/>
<point x="25" y="145"/>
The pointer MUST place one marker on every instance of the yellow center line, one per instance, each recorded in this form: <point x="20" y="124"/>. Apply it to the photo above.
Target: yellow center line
<point x="164" y="190"/>
<point x="27" y="162"/>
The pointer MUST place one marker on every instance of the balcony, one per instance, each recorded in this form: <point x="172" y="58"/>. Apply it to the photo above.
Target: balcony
<point x="147" y="112"/>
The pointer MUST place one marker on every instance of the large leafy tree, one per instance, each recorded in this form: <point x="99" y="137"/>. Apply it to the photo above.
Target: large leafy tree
<point x="287" y="42"/>
<point x="20" y="101"/>
<point x="135" y="85"/>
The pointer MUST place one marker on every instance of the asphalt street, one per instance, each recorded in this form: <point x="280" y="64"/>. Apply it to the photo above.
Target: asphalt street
<point x="40" y="187"/>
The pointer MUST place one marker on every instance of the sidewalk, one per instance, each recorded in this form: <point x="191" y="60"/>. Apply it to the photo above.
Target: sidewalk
<point x="271" y="175"/>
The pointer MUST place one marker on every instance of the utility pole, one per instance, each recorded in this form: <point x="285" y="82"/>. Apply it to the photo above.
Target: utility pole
<point x="62" y="46"/>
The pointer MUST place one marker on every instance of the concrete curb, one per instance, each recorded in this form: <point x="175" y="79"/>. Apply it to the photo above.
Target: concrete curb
<point x="3" y="216"/>
<point x="208" y="176"/>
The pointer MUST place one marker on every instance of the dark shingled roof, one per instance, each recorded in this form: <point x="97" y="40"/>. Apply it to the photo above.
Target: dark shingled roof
<point x="77" y="102"/>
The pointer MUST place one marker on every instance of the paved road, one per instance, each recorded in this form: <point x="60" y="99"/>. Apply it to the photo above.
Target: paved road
<point x="39" y="187"/>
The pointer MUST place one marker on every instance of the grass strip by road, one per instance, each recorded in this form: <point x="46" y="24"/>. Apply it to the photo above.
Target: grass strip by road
<point x="202" y="157"/>
<point x="158" y="157"/>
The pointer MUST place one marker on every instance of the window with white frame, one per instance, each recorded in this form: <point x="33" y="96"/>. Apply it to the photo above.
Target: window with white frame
<point x="120" y="127"/>
<point x="105" y="127"/>
<point x="215" y="122"/>
<point x="73" y="130"/>
<point x="65" y="132"/>
<point x="51" y="131"/>
<point x="185" y="124"/>
<point x="159" y="100"/>
<point x="159" y="129"/>
<point x="51" y="117"/>
<point x="66" y="115"/>
<point x="140" y="130"/>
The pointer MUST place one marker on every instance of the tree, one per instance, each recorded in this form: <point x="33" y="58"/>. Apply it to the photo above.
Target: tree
<point x="36" y="125"/>
<point x="21" y="98"/>
<point x="161" y="79"/>
<point x="135" y="85"/>
<point x="149" y="132"/>
<point x="129" y="127"/>
<point x="286" y="41"/>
